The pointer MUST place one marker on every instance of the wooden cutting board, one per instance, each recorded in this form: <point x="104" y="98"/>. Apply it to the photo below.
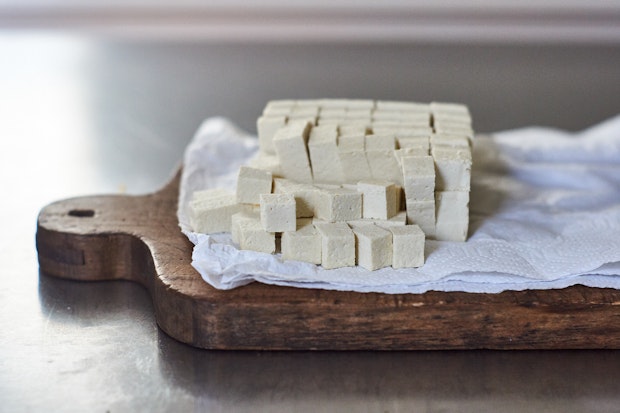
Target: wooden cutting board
<point x="137" y="238"/>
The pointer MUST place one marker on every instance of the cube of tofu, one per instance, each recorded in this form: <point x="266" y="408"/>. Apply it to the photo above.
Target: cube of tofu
<point x="238" y="220"/>
<point x="277" y="212"/>
<point x="451" y="141"/>
<point x="267" y="126"/>
<point x="324" y="159"/>
<point x="305" y="195"/>
<point x="251" y="183"/>
<point x="253" y="237"/>
<point x="338" y="204"/>
<point x="266" y="162"/>
<point x="414" y="141"/>
<point x="290" y="146"/>
<point x="422" y="213"/>
<point x="353" y="158"/>
<point x="304" y="244"/>
<point x="449" y="108"/>
<point x="337" y="245"/>
<point x="399" y="219"/>
<point x="380" y="199"/>
<point x="374" y="247"/>
<point x="408" y="246"/>
<point x="400" y="106"/>
<point x="453" y="168"/>
<point x="419" y="178"/>
<point x="452" y="215"/>
<point x="211" y="210"/>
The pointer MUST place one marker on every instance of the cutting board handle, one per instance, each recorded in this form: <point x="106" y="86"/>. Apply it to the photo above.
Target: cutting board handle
<point x="108" y="237"/>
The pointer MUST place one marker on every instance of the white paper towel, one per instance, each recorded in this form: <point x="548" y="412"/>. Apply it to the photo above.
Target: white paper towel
<point x="544" y="213"/>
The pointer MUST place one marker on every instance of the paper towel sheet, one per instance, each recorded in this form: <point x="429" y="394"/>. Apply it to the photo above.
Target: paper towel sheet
<point x="544" y="213"/>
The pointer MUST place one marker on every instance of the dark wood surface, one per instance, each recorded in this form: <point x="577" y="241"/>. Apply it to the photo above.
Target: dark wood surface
<point x="137" y="238"/>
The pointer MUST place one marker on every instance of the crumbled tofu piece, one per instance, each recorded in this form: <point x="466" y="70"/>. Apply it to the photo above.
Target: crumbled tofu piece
<point x="453" y="168"/>
<point x="253" y="237"/>
<point x="452" y="221"/>
<point x="211" y="210"/>
<point x="380" y="199"/>
<point x="290" y="145"/>
<point x="305" y="195"/>
<point x="267" y="126"/>
<point x="251" y="183"/>
<point x="338" y="204"/>
<point x="337" y="245"/>
<point x="353" y="158"/>
<point x="323" y="149"/>
<point x="304" y="244"/>
<point x="277" y="212"/>
<point x="419" y="178"/>
<point x="407" y="246"/>
<point x="374" y="247"/>
<point x="422" y="213"/>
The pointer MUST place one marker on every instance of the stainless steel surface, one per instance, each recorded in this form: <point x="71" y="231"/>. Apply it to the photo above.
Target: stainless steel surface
<point x="81" y="115"/>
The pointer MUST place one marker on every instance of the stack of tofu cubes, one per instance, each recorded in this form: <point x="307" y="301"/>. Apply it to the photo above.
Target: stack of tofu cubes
<point x="344" y="182"/>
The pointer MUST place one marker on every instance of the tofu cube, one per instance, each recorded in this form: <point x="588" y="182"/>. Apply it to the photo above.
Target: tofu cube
<point x="210" y="211"/>
<point x="452" y="167"/>
<point x="380" y="199"/>
<point x="253" y="237"/>
<point x="353" y="158"/>
<point x="408" y="246"/>
<point x="251" y="183"/>
<point x="337" y="245"/>
<point x="266" y="162"/>
<point x="323" y="150"/>
<point x="305" y="196"/>
<point x="452" y="215"/>
<point x="304" y="244"/>
<point x="267" y="126"/>
<point x="338" y="204"/>
<point x="451" y="141"/>
<point x="400" y="106"/>
<point x="277" y="212"/>
<point x="418" y="178"/>
<point x="290" y="146"/>
<point x="238" y="220"/>
<point x="373" y="246"/>
<point x="422" y="213"/>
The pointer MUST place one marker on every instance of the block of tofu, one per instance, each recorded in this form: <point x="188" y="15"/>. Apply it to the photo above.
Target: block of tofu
<point x="449" y="108"/>
<point x="407" y="246"/>
<point x="402" y="106"/>
<point x="277" y="212"/>
<point x="418" y="178"/>
<point x="251" y="183"/>
<point x="338" y="204"/>
<point x="304" y="244"/>
<point x="397" y="220"/>
<point x="373" y="246"/>
<point x="332" y="113"/>
<point x="337" y="245"/>
<point x="453" y="141"/>
<point x="455" y="130"/>
<point x="253" y="237"/>
<point x="413" y="141"/>
<point x="267" y="126"/>
<point x="210" y="211"/>
<point x="353" y="158"/>
<point x="399" y="154"/>
<point x="239" y="219"/>
<point x="422" y="213"/>
<point x="380" y="199"/>
<point x="352" y="128"/>
<point x="324" y="158"/>
<point x="305" y="195"/>
<point x="452" y="221"/>
<point x="290" y="144"/>
<point x="380" y="157"/>
<point x="452" y="168"/>
<point x="266" y="162"/>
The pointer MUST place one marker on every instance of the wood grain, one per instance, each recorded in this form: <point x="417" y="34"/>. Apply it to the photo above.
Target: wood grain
<point x="137" y="238"/>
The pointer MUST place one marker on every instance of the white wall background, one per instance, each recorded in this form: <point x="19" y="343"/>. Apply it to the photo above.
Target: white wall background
<point x="495" y="21"/>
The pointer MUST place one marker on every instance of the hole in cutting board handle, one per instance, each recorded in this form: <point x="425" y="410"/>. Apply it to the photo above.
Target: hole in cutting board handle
<point x="82" y="213"/>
